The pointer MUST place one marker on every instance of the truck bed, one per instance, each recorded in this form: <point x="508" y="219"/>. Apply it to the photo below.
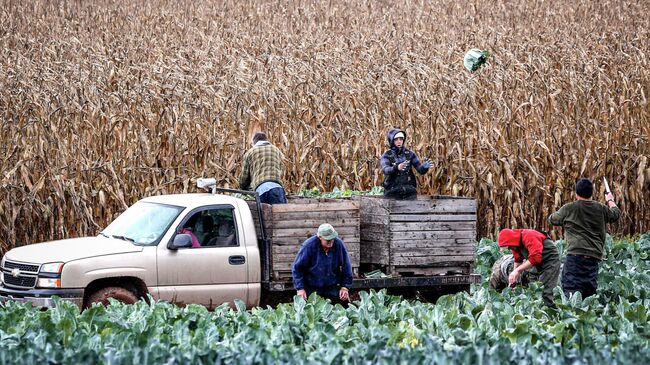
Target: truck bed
<point x="425" y="243"/>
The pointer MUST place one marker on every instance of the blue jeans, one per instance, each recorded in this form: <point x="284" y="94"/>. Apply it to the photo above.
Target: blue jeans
<point x="580" y="274"/>
<point x="274" y="196"/>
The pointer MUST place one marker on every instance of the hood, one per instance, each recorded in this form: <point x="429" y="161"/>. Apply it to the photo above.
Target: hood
<point x="509" y="237"/>
<point x="70" y="250"/>
<point x="391" y="135"/>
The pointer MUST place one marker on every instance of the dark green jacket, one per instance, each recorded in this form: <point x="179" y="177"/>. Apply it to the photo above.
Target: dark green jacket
<point x="585" y="226"/>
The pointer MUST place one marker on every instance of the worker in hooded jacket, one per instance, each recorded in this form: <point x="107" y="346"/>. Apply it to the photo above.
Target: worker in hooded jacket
<point x="397" y="164"/>
<point x="532" y="249"/>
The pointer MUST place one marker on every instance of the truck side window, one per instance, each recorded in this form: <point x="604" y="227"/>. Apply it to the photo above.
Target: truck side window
<point x="225" y="226"/>
<point x="211" y="228"/>
<point x="226" y="235"/>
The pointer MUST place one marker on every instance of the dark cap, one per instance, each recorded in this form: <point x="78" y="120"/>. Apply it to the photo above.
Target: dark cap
<point x="259" y="136"/>
<point x="584" y="188"/>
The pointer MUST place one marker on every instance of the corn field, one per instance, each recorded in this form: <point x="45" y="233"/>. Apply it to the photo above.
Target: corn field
<point x="105" y="102"/>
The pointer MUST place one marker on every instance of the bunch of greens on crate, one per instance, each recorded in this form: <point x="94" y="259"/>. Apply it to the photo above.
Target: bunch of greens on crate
<point x="338" y="193"/>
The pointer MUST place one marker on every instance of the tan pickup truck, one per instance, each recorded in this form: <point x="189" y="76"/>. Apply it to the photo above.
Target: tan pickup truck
<point x="184" y="248"/>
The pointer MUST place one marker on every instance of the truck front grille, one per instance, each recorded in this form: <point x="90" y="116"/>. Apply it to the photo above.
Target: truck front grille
<point x="30" y="268"/>
<point x="19" y="275"/>
<point x="21" y="282"/>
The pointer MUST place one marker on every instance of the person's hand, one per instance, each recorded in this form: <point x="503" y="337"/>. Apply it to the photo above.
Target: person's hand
<point x="302" y="293"/>
<point x="513" y="277"/>
<point x="427" y="164"/>
<point x="609" y="196"/>
<point x="344" y="294"/>
<point x="403" y="165"/>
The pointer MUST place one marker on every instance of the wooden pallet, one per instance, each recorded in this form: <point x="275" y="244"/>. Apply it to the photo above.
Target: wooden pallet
<point x="289" y="225"/>
<point x="427" y="236"/>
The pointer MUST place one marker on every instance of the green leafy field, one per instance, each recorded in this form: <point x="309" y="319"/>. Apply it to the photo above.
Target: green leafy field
<point x="485" y="327"/>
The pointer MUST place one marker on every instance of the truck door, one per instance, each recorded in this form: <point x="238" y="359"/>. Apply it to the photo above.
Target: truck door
<point x="214" y="269"/>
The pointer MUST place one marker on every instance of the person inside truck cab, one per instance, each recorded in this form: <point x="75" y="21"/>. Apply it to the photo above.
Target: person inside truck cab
<point x="323" y="266"/>
<point x="205" y="229"/>
<point x="397" y="165"/>
<point x="188" y="228"/>
<point x="262" y="171"/>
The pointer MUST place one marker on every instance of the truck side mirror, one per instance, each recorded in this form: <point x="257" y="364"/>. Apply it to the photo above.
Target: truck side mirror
<point x="181" y="240"/>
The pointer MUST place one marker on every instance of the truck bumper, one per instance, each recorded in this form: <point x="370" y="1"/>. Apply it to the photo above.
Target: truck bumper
<point x="41" y="297"/>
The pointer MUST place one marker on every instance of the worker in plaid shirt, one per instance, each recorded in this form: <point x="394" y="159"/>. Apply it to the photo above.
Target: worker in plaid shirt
<point x="262" y="171"/>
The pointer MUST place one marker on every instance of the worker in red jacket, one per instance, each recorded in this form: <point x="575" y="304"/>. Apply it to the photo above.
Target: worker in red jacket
<point x="533" y="249"/>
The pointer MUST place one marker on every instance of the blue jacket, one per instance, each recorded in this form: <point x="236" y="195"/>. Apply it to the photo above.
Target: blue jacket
<point x="324" y="273"/>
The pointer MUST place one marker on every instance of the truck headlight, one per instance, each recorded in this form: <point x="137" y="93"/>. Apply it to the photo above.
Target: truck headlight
<point x="48" y="283"/>
<point x="50" y="275"/>
<point x="52" y="268"/>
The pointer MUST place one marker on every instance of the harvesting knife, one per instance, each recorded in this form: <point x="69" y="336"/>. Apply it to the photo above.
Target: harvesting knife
<point x="607" y="191"/>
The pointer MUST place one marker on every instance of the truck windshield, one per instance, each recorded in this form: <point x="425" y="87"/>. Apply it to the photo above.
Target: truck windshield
<point x="143" y="223"/>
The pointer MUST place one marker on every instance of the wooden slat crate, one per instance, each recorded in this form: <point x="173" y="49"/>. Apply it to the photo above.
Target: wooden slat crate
<point x="289" y="225"/>
<point x="427" y="236"/>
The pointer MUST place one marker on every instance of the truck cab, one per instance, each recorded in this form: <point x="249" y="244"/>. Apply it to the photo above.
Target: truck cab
<point x="185" y="248"/>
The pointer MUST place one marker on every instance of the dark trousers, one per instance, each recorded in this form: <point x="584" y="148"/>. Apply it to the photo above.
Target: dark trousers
<point x="274" y="196"/>
<point x="402" y="192"/>
<point x="549" y="272"/>
<point x="580" y="274"/>
<point x="330" y="292"/>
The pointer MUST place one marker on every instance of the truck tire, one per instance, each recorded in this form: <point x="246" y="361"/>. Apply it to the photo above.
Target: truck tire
<point x="118" y="293"/>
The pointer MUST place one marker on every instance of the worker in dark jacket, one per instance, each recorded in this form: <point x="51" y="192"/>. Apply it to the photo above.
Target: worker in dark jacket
<point x="585" y="228"/>
<point x="323" y="266"/>
<point x="532" y="249"/>
<point x="262" y="171"/>
<point x="397" y="164"/>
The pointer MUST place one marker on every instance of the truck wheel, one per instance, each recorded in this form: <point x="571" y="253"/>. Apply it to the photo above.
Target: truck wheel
<point x="120" y="294"/>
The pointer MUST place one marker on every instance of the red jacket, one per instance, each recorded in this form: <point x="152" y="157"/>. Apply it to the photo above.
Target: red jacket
<point x="530" y="239"/>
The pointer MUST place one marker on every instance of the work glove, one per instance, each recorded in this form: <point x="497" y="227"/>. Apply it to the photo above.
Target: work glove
<point x="427" y="164"/>
<point x="404" y="165"/>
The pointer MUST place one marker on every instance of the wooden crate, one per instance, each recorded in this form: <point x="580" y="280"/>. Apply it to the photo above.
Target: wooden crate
<point x="428" y="236"/>
<point x="289" y="225"/>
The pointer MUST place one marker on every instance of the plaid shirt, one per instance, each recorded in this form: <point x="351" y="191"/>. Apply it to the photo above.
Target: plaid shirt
<point x="261" y="163"/>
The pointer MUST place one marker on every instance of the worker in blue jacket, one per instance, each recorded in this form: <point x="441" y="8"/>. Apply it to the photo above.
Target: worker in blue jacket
<point x="323" y="266"/>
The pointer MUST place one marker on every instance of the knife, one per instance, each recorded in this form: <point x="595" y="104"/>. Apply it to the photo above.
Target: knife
<point x="607" y="191"/>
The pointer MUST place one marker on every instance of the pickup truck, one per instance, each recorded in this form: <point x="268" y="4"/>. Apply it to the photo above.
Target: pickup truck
<point x="201" y="248"/>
